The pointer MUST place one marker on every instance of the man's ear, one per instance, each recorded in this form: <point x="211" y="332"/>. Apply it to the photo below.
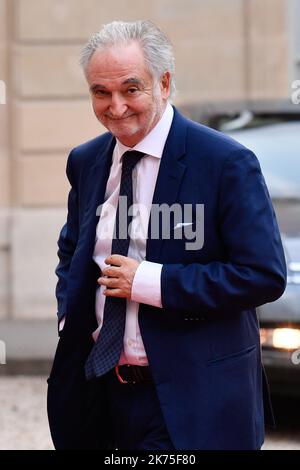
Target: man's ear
<point x="165" y="85"/>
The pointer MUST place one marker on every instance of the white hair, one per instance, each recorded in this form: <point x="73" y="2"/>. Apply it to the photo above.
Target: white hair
<point x="156" y="47"/>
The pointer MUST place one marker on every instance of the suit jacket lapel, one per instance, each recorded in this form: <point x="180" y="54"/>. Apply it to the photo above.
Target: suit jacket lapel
<point x="169" y="177"/>
<point x="96" y="180"/>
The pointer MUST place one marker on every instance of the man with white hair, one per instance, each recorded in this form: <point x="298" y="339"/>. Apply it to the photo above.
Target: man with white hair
<point x="159" y="341"/>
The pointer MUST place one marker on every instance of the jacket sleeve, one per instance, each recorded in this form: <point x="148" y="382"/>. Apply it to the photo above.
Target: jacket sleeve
<point x="67" y="244"/>
<point x="254" y="270"/>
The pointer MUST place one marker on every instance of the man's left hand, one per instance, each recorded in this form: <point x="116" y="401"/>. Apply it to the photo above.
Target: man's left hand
<point x="118" y="277"/>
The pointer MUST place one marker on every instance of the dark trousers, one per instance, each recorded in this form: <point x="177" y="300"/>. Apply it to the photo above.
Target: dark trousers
<point x="136" y="416"/>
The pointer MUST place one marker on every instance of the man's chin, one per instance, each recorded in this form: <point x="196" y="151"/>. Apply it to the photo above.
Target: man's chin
<point x="124" y="135"/>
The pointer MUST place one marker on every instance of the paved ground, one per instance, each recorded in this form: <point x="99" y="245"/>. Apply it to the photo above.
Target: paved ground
<point x="23" y="420"/>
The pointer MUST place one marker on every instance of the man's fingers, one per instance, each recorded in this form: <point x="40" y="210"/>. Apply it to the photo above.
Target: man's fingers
<point x="114" y="293"/>
<point x="116" y="260"/>
<point x="111" y="271"/>
<point x="110" y="282"/>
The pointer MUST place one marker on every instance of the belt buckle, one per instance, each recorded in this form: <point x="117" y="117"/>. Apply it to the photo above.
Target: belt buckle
<point x="120" y="379"/>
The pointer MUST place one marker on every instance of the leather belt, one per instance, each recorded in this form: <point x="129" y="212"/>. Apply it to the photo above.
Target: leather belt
<point x="130" y="374"/>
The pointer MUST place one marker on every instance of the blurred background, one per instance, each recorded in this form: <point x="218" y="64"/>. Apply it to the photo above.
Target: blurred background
<point x="237" y="62"/>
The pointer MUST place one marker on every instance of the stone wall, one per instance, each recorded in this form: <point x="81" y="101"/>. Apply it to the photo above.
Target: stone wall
<point x="4" y="165"/>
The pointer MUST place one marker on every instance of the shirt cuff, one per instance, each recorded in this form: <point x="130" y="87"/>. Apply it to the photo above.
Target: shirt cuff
<point x="146" y="284"/>
<point x="61" y="324"/>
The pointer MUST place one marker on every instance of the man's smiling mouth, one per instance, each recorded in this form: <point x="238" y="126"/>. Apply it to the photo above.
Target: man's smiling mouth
<point x="120" y="118"/>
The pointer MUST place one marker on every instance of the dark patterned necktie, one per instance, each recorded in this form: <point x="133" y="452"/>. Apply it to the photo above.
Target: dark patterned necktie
<point x="106" y="352"/>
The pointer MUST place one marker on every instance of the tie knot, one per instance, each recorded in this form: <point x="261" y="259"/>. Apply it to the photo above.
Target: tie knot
<point x="130" y="159"/>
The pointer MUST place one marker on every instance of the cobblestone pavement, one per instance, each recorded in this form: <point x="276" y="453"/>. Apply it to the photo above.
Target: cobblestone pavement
<point x="24" y="425"/>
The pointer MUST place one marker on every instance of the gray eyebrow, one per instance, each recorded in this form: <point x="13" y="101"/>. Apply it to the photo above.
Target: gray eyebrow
<point x="134" y="81"/>
<point x="96" y="86"/>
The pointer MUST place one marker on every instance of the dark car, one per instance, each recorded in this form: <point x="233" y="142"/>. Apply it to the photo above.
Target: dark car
<point x="272" y="131"/>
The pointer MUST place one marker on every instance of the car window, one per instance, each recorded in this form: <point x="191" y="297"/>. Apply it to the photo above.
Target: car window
<point x="278" y="149"/>
<point x="277" y="146"/>
<point x="288" y="216"/>
<point x="293" y="247"/>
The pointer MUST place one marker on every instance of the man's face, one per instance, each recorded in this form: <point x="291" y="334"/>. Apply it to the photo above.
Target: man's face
<point x="124" y="97"/>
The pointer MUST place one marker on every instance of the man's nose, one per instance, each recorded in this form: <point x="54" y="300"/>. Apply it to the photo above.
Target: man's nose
<point x="118" y="106"/>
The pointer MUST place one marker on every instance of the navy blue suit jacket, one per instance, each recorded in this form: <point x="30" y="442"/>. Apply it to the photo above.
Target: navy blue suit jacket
<point x="203" y="346"/>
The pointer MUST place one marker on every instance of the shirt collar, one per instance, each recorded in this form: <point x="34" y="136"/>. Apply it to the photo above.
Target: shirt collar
<point x="154" y="142"/>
